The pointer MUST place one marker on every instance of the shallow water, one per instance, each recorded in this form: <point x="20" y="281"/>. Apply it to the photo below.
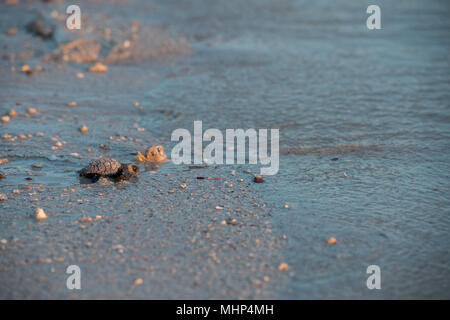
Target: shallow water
<point x="376" y="100"/>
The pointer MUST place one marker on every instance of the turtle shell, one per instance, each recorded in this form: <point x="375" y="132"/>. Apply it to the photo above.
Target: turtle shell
<point x="101" y="167"/>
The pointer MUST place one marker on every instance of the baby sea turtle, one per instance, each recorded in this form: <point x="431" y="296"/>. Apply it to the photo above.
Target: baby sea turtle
<point x="110" y="168"/>
<point x="153" y="154"/>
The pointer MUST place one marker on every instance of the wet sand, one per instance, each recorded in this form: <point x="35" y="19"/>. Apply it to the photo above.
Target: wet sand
<point x="364" y="131"/>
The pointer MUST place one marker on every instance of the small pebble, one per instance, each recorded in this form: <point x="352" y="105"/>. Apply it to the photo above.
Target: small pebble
<point x="12" y="31"/>
<point x="258" y="179"/>
<point x="84" y="129"/>
<point x="12" y="113"/>
<point x="32" y="111"/>
<point x="25" y="68"/>
<point x="40" y="214"/>
<point x="85" y="219"/>
<point x="98" y="67"/>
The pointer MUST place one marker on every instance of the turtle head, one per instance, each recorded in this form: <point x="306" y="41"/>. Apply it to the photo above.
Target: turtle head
<point x="156" y="154"/>
<point x="135" y="168"/>
<point x="128" y="170"/>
